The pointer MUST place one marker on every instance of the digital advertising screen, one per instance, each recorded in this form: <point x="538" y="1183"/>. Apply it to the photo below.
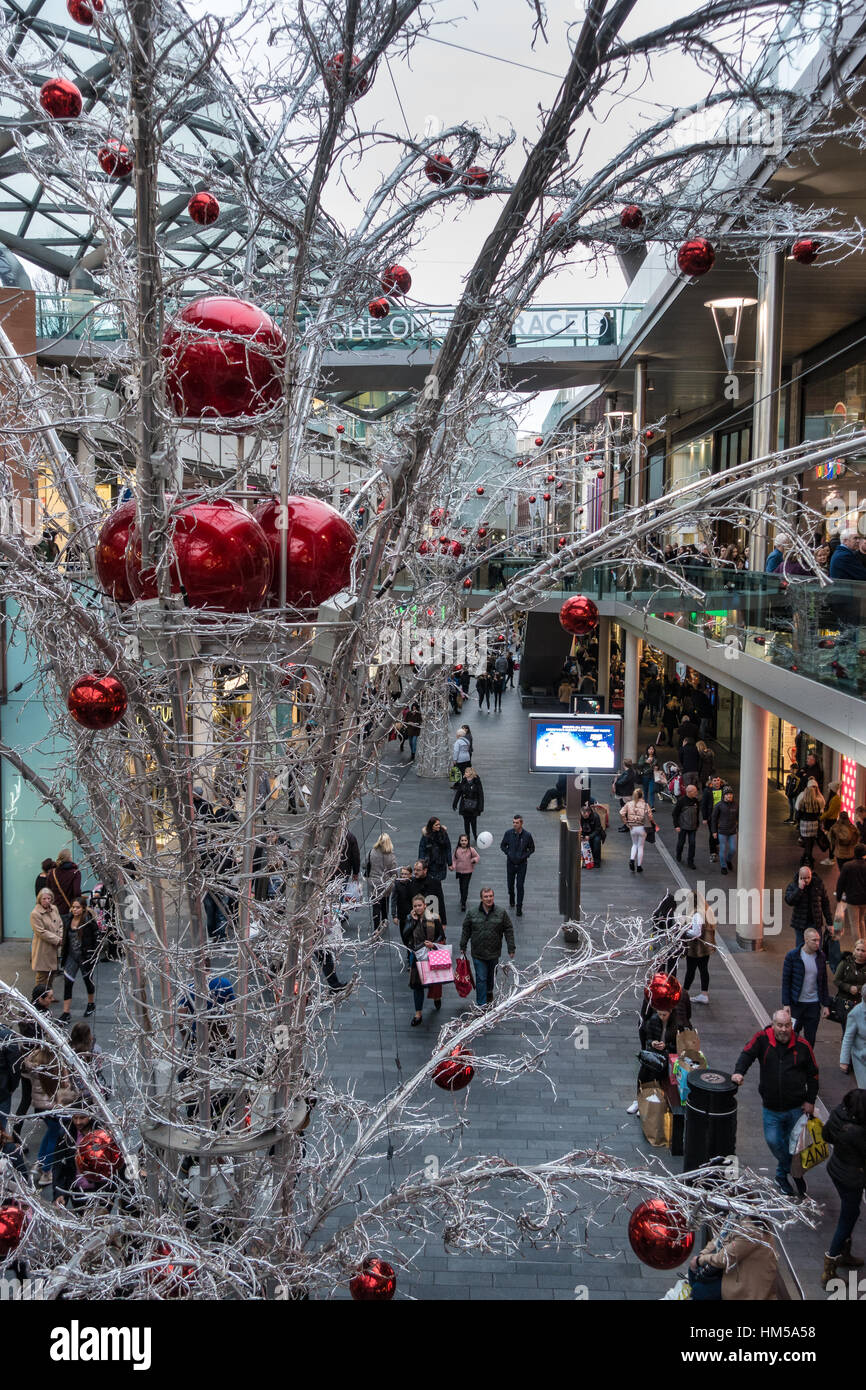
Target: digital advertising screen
<point x="563" y="743"/>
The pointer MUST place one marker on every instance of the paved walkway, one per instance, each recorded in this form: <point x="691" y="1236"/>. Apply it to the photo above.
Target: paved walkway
<point x="527" y="1120"/>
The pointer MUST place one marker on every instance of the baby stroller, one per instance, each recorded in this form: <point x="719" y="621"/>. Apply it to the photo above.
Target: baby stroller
<point x="670" y="788"/>
<point x="104" y="914"/>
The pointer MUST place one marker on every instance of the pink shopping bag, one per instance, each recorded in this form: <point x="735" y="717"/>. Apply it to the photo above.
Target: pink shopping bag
<point x="437" y="969"/>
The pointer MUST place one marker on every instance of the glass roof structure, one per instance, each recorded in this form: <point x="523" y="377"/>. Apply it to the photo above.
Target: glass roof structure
<point x="47" y="223"/>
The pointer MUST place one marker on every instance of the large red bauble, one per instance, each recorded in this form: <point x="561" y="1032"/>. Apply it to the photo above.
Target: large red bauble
<point x="82" y="11"/>
<point x="659" y="1236"/>
<point x="61" y="99"/>
<point x="454" y="1072"/>
<point x="203" y="208"/>
<point x="396" y="280"/>
<point x="532" y="497"/>
<point x="376" y="1282"/>
<point x="696" y="257"/>
<point x="378" y="308"/>
<point x="546" y="496"/>
<point x="664" y="991"/>
<point x="482" y="532"/>
<point x="467" y="583"/>
<point x="172" y="1279"/>
<point x="480" y="491"/>
<point x="578" y="615"/>
<point x="209" y="372"/>
<point x="97" y="702"/>
<point x="806" y="250"/>
<point x="539" y="440"/>
<point x="475" y="179"/>
<point x="631" y="218"/>
<point x="98" y="1155"/>
<point x="319" y="546"/>
<point x="13" y="1222"/>
<point x="439" y="168"/>
<point x="111" y="553"/>
<point x="334" y="75"/>
<point x="222" y="558"/>
<point x="456" y="549"/>
<point x="115" y="160"/>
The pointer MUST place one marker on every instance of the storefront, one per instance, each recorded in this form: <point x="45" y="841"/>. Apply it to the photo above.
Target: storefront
<point x="781" y="749"/>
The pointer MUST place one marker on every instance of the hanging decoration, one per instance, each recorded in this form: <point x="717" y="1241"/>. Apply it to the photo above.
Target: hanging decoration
<point x="378" y="308"/>
<point x="320" y="544"/>
<point x="224" y="357"/>
<point x="14" y="1219"/>
<point x="439" y="169"/>
<point x="805" y="250"/>
<point x="98" y="1155"/>
<point x="631" y="218"/>
<point x="578" y="615"/>
<point x="115" y="160"/>
<point x="455" y="1071"/>
<point x="84" y="11"/>
<point x="96" y="701"/>
<point x="110" y="553"/>
<point x="376" y="1282"/>
<point x="659" y="1236"/>
<point x="696" y="257"/>
<point x="222" y="558"/>
<point x="203" y="208"/>
<point x="61" y="99"/>
<point x="663" y="991"/>
<point x="475" y="180"/>
<point x="396" y="280"/>
<point x="357" y="86"/>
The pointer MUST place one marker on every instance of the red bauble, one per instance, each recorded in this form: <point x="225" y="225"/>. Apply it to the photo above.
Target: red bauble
<point x="376" y="1282"/>
<point x="552" y="220"/>
<point x="378" y="308"/>
<point x="454" y="1072"/>
<point x="538" y="441"/>
<point x="443" y="540"/>
<point x="561" y="542"/>
<point x="519" y="463"/>
<point x="172" y="1279"/>
<point x="115" y="160"/>
<point x="222" y="558"/>
<point x="806" y="250"/>
<point x="111" y="553"/>
<point x="439" y="168"/>
<point x="341" y="429"/>
<point x="82" y="11"/>
<point x="482" y="532"/>
<point x="588" y="458"/>
<point x="97" y="702"/>
<point x="578" y="615"/>
<point x="456" y="549"/>
<point x="424" y="548"/>
<point x="98" y="1155"/>
<point x="346" y="492"/>
<point x="334" y="75"/>
<point x="546" y="496"/>
<point x="437" y="516"/>
<point x="319" y="547"/>
<point x="663" y="991"/>
<point x="659" y="1236"/>
<point x="631" y="218"/>
<point x="550" y="477"/>
<point x="396" y="280"/>
<point x="475" y="179"/>
<point x="203" y="208"/>
<point x="467" y="583"/>
<point x="480" y="491"/>
<point x="61" y="99"/>
<point x="600" y="473"/>
<point x="696" y="257"/>
<point x="532" y="497"/>
<point x="649" y="434"/>
<point x="13" y="1222"/>
<point x="209" y="372"/>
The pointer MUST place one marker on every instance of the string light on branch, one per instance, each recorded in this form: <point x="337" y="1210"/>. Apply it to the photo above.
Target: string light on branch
<point x="97" y="702"/>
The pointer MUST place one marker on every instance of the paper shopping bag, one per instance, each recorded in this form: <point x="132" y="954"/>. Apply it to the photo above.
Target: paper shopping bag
<point x="689" y="1044"/>
<point x="652" y="1107"/>
<point x="433" y="975"/>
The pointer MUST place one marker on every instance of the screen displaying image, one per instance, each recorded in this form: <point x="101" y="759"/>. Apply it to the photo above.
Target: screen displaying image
<point x="576" y="741"/>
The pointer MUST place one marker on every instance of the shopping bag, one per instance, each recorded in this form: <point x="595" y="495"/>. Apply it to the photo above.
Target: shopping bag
<point x="815" y="1149"/>
<point x="798" y="1139"/>
<point x="653" y="1107"/>
<point x="688" y="1043"/>
<point x="435" y="975"/>
<point x="440" y="958"/>
<point x="682" y="1289"/>
<point x="463" y="980"/>
<point x="586" y="854"/>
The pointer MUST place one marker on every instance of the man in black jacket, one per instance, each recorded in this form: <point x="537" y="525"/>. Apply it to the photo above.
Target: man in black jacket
<point x="686" y="816"/>
<point x="807" y="895"/>
<point x="851" y="890"/>
<point x="590" y="830"/>
<point x="788" y="1086"/>
<point x="421" y="882"/>
<point x="517" y="845"/>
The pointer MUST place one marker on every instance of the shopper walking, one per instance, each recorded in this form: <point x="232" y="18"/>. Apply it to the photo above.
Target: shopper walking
<point x="424" y="930"/>
<point x="788" y="1085"/>
<point x="469" y="800"/>
<point x="421" y="882"/>
<point x="724" y="822"/>
<point x="851" y="891"/>
<point x="411" y="728"/>
<point x="794" y="784"/>
<point x="517" y="845"/>
<point x="807" y="896"/>
<point x="485" y="927"/>
<point x="482" y="689"/>
<point x="434" y="848"/>
<point x="808" y="808"/>
<point x="710" y="798"/>
<point x="381" y="870"/>
<point x="844" y="839"/>
<point x="497" y="686"/>
<point x="51" y="1090"/>
<point x="462" y="751"/>
<point x="846" y="1168"/>
<point x="853" y="1051"/>
<point x="685" y="819"/>
<point x="79" y="952"/>
<point x="706" y="763"/>
<point x="636" y="816"/>
<point x="700" y="945"/>
<point x="804" y="985"/>
<point x="47" y="928"/>
<point x="465" y="859"/>
<point x="646" y="766"/>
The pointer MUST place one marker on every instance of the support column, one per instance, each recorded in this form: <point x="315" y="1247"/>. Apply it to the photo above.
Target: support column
<point x="638" y="462"/>
<point x="604" y="661"/>
<point x="631" y="696"/>
<point x="752" y="837"/>
<point x="768" y="378"/>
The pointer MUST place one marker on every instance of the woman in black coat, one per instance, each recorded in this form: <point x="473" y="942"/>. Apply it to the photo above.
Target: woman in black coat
<point x="79" y="951"/>
<point x="435" y="847"/>
<point x="846" y="1131"/>
<point x="469" y="800"/>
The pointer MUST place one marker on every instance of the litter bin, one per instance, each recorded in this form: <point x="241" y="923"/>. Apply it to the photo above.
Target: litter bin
<point x="711" y="1117"/>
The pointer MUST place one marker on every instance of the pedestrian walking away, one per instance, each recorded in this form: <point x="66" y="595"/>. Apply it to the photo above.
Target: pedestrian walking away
<point x="381" y="871"/>
<point x="517" y="845"/>
<point x="462" y="751"/>
<point x="465" y="859"/>
<point x="787" y="1084"/>
<point x="804" y="985"/>
<point x="846" y="1131"/>
<point x="485" y="927"/>
<point x="637" y="818"/>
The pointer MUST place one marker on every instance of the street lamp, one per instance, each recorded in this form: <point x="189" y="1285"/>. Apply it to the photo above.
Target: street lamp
<point x="728" y="316"/>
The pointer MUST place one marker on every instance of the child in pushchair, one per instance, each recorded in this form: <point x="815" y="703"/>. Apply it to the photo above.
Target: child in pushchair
<point x="670" y="788"/>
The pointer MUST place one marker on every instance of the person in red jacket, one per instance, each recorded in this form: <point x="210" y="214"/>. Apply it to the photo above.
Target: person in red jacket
<point x="788" y="1086"/>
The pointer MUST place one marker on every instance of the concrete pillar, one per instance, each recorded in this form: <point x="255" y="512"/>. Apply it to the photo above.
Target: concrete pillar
<point x="768" y="378"/>
<point x="631" y="696"/>
<point x="752" y="837"/>
<point x="604" y="661"/>
<point x="638" y="463"/>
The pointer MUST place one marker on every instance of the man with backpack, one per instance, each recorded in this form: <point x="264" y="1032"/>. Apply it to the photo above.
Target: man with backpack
<point x="685" y="818"/>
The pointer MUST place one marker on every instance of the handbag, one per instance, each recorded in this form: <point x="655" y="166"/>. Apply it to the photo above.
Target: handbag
<point x="649" y="1058"/>
<point x="840" y="1007"/>
<point x="651" y="833"/>
<point x="463" y="979"/>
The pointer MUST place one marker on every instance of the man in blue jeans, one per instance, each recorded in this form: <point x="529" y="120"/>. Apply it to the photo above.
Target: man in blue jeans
<point x="804" y="985"/>
<point x="517" y="845"/>
<point x="788" y="1086"/>
<point x="484" y="928"/>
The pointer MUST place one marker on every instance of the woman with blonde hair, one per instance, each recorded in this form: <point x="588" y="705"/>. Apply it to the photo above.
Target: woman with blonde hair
<point x="808" y="807"/>
<point x="381" y="871"/>
<point x="51" y="1090"/>
<point x="637" y="818"/>
<point x="47" y="928"/>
